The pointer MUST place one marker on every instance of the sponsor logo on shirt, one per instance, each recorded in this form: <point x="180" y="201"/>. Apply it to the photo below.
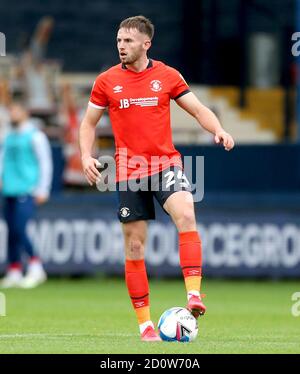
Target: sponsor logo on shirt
<point x="142" y="102"/>
<point x="156" y="85"/>
<point x="118" y="89"/>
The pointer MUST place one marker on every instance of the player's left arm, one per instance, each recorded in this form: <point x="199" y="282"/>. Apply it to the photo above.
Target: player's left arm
<point x="42" y="149"/>
<point x="206" y="118"/>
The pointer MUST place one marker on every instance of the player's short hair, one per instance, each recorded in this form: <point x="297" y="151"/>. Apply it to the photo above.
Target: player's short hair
<point x="141" y="23"/>
<point x="19" y="101"/>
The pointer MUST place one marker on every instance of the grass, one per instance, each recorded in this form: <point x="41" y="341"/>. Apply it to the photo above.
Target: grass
<point x="95" y="316"/>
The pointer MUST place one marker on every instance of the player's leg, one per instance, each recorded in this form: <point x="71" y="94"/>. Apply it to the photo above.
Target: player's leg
<point x="135" y="270"/>
<point x="35" y="274"/>
<point x="180" y="206"/>
<point x="136" y="276"/>
<point x="26" y="211"/>
<point x="13" y="276"/>
<point x="135" y="208"/>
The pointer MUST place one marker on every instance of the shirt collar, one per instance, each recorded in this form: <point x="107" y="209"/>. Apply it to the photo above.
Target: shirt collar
<point x="150" y="65"/>
<point x="25" y="126"/>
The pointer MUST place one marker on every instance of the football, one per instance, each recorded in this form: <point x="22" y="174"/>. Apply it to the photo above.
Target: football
<point x="178" y="324"/>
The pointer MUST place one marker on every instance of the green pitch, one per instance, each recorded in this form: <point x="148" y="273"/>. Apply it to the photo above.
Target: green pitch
<point x="95" y="316"/>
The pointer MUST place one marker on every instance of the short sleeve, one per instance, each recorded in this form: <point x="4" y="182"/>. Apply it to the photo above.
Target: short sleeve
<point x="98" y="98"/>
<point x="178" y="86"/>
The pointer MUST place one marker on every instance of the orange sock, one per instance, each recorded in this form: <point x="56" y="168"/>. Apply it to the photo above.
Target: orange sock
<point x="190" y="254"/>
<point x="138" y="288"/>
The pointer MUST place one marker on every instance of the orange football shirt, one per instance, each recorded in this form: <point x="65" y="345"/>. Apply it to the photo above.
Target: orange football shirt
<point x="139" y="109"/>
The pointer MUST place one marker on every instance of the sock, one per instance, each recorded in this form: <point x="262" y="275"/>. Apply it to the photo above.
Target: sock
<point x="138" y="289"/>
<point x="34" y="259"/>
<point x="35" y="265"/>
<point x="15" y="266"/>
<point x="190" y="254"/>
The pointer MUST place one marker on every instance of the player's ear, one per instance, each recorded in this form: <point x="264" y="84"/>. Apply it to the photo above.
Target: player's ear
<point x="147" y="44"/>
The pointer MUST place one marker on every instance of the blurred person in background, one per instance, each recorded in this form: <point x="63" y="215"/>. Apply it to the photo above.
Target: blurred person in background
<point x="72" y="109"/>
<point x="40" y="100"/>
<point x="35" y="73"/>
<point x="25" y="175"/>
<point x="71" y="115"/>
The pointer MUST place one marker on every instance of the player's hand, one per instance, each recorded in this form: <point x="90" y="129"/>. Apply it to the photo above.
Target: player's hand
<point x="222" y="137"/>
<point x="90" y="165"/>
<point x="40" y="200"/>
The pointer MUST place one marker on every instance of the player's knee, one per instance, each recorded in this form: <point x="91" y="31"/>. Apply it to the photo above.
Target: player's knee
<point x="136" y="249"/>
<point x="187" y="221"/>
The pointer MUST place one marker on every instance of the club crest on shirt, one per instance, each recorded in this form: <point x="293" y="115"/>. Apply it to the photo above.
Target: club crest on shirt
<point x="156" y="85"/>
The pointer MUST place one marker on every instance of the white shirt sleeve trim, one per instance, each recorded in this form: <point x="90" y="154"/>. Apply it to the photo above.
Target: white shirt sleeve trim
<point x="96" y="106"/>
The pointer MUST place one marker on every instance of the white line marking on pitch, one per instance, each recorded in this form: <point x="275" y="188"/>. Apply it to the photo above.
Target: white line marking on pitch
<point x="13" y="336"/>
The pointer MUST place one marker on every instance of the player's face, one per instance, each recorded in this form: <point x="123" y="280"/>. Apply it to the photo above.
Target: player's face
<point x="132" y="45"/>
<point x="17" y="114"/>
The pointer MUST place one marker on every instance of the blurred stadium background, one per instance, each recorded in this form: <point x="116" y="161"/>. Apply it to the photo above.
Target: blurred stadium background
<point x="237" y="57"/>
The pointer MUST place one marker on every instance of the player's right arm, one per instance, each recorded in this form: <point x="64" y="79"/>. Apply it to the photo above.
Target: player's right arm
<point x="86" y="142"/>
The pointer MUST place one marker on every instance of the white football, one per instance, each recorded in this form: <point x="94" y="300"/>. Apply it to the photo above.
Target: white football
<point x="177" y="324"/>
